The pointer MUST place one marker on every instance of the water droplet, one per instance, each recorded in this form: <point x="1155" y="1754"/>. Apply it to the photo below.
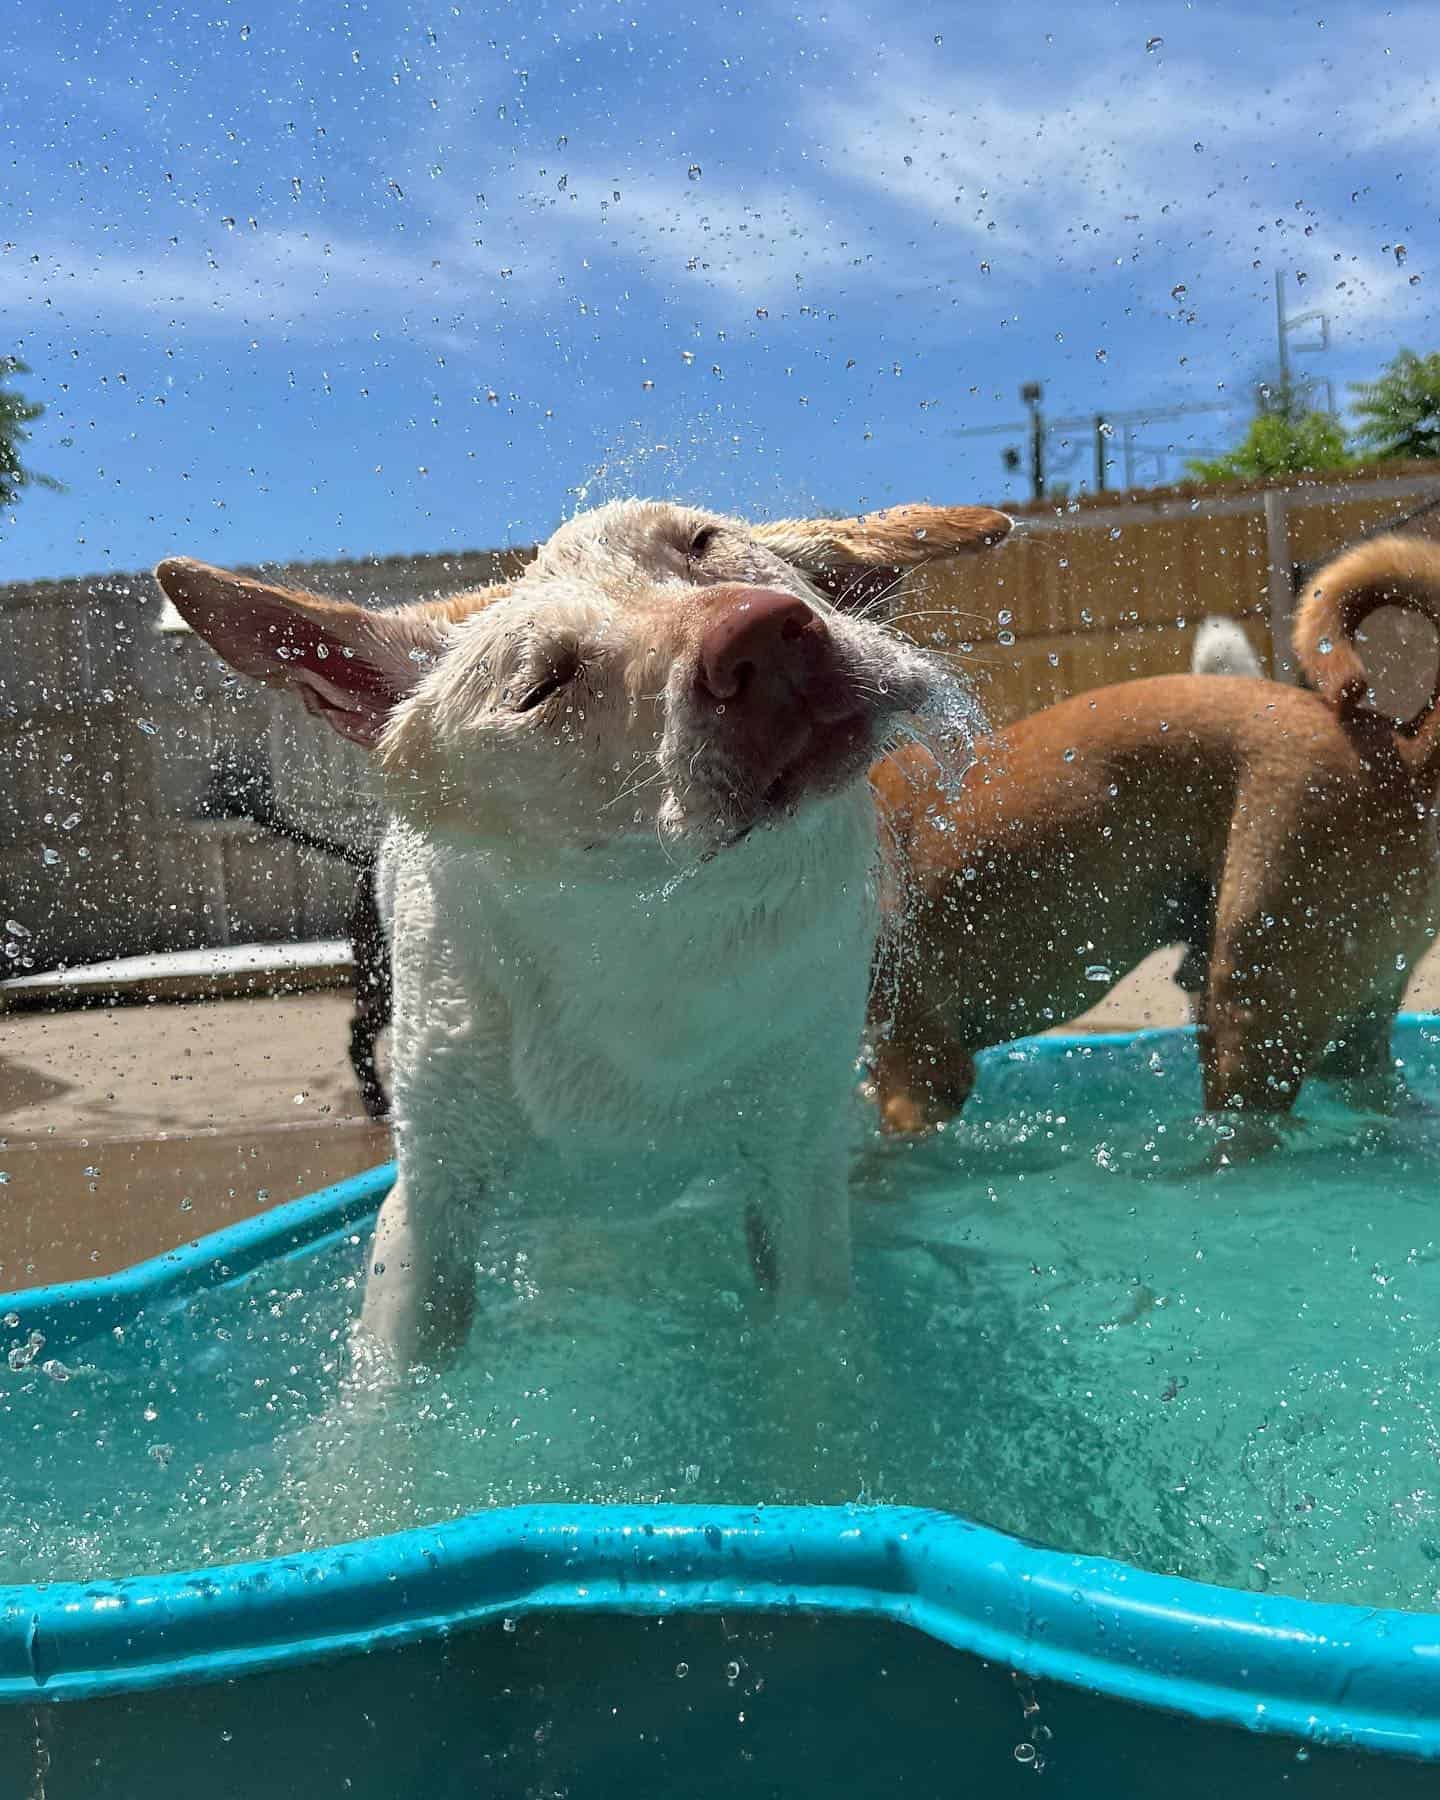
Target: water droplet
<point x="682" y="1669"/>
<point x="151" y="1412"/>
<point x="939" y="39"/>
<point x="48" y="856"/>
<point x="1153" y="44"/>
<point x="1007" y="638"/>
<point x="16" y="929"/>
<point x="148" y="726"/>
<point x="1400" y="255"/>
<point x="1070" y="754"/>
<point x="1401" y="963"/>
<point x="1179" y="291"/>
<point x="1098" y="972"/>
<point x="244" y="32"/>
<point x="732" y="1671"/>
<point x="694" y="171"/>
<point x="647" y="385"/>
<point x="1325" y="646"/>
<point x="1102" y="356"/>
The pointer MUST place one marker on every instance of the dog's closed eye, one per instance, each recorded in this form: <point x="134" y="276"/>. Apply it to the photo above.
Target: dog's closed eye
<point x="562" y="671"/>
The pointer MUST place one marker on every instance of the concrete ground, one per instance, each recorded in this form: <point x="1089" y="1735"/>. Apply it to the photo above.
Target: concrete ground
<point x="126" y="1130"/>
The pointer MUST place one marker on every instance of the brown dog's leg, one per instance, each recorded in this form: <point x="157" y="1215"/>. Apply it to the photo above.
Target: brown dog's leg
<point x="1358" y="1057"/>
<point x="1260" y="1025"/>
<point x="1251" y="1059"/>
<point x="920" y="1083"/>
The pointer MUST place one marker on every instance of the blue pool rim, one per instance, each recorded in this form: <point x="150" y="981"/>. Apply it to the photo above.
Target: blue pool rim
<point x="1358" y="1677"/>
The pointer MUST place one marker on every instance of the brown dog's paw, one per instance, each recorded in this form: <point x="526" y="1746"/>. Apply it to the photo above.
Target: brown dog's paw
<point x="912" y="1113"/>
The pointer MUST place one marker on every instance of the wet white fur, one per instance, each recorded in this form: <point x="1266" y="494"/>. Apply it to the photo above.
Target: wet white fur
<point x="597" y="980"/>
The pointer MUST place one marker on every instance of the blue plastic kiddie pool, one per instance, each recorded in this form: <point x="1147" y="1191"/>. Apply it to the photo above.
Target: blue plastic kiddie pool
<point x="678" y="1651"/>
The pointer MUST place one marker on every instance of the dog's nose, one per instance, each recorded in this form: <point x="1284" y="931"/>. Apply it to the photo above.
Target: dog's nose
<point x="760" y="631"/>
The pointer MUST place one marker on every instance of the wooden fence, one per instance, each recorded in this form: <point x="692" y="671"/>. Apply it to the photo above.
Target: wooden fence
<point x="1109" y="589"/>
<point x="111" y="731"/>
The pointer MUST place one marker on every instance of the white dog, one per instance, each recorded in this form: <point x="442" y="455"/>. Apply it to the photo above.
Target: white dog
<point x="629" y="867"/>
<point x="1222" y="648"/>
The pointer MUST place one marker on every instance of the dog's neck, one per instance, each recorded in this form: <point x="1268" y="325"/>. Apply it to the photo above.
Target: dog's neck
<point x="631" y="988"/>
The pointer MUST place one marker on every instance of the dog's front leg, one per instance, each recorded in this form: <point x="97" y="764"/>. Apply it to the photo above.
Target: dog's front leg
<point x="797" y="1219"/>
<point x="420" y="1283"/>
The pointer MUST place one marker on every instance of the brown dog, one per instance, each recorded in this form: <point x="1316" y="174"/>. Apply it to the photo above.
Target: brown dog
<point x="1290" y="833"/>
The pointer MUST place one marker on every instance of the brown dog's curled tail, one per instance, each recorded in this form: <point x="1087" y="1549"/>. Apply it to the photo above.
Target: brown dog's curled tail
<point x="1388" y="571"/>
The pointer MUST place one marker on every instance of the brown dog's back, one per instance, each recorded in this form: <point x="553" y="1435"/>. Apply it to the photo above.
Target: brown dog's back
<point x="1294" y="824"/>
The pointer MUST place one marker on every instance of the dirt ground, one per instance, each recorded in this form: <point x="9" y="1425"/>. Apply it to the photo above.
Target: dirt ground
<point x="125" y="1130"/>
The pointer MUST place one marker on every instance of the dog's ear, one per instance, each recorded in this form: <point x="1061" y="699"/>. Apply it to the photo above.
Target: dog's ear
<point x="348" y="665"/>
<point x="854" y="560"/>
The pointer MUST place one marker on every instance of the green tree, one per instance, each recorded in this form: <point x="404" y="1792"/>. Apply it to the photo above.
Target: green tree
<point x="17" y="414"/>
<point x="1277" y="445"/>
<point x="1399" y="415"/>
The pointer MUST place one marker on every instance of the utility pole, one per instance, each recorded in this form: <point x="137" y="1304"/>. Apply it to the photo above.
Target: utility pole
<point x="1284" y="325"/>
<point x="1031" y="395"/>
<point x="1104" y="427"/>
<point x="1282" y="336"/>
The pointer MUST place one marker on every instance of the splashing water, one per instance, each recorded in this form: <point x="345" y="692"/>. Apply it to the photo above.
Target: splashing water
<point x="1066" y="1323"/>
<point x="949" y="729"/>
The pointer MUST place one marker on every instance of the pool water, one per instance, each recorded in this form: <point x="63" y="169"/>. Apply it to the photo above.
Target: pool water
<point x="1073" y="1320"/>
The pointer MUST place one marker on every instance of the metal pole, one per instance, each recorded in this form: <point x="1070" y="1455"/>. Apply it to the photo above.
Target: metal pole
<point x="1282" y="338"/>
<point x="1030" y="394"/>
<point x="1101" y="447"/>
<point x="1279" y="584"/>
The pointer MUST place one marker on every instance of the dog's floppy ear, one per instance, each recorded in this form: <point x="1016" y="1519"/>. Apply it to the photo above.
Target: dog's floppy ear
<point x="852" y="560"/>
<point x="348" y="665"/>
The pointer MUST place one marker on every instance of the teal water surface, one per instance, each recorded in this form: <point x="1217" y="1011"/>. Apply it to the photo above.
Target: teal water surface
<point x="1073" y="1320"/>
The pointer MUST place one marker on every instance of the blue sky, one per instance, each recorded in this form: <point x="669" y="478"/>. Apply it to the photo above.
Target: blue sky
<point x="332" y="279"/>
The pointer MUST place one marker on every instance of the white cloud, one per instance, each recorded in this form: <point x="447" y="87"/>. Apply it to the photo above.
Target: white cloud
<point x="1191" y="178"/>
<point x="913" y="175"/>
<point x="296" y="280"/>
